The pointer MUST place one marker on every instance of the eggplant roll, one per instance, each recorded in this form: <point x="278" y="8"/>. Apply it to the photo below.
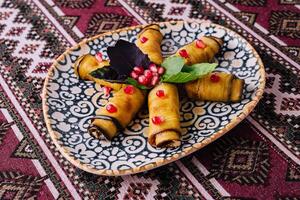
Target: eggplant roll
<point x="164" y="118"/>
<point x="148" y="41"/>
<point x="201" y="50"/>
<point x="86" y="64"/>
<point x="217" y="86"/>
<point x="117" y="113"/>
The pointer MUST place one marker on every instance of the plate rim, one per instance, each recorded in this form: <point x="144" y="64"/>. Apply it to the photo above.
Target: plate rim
<point x="160" y="162"/>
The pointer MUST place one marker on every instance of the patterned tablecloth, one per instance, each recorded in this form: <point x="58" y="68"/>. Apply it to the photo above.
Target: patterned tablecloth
<point x="259" y="159"/>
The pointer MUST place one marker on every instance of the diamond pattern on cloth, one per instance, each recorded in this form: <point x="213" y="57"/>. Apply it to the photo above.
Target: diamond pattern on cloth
<point x="14" y="185"/>
<point x="241" y="161"/>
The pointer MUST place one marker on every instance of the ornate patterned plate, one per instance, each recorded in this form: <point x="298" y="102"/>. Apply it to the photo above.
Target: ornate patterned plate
<point x="70" y="103"/>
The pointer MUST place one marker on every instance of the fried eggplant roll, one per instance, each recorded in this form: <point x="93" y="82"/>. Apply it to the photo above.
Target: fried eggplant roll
<point x="117" y="113"/>
<point x="86" y="64"/>
<point x="217" y="86"/>
<point x="201" y="50"/>
<point x="149" y="40"/>
<point x="164" y="118"/>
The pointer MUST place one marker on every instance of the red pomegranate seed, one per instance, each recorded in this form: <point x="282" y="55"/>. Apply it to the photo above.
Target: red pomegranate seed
<point x="155" y="74"/>
<point x="99" y="56"/>
<point x="139" y="70"/>
<point x="214" y="78"/>
<point x="106" y="90"/>
<point x="111" y="108"/>
<point x="134" y="75"/>
<point x="161" y="70"/>
<point x="143" y="39"/>
<point x="143" y="80"/>
<point x="129" y="89"/>
<point x="160" y="93"/>
<point x="183" y="53"/>
<point x="200" y="44"/>
<point x="157" y="120"/>
<point x="148" y="73"/>
<point x="154" y="80"/>
<point x="153" y="67"/>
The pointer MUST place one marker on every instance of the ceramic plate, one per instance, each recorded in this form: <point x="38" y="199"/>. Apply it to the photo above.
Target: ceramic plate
<point x="69" y="103"/>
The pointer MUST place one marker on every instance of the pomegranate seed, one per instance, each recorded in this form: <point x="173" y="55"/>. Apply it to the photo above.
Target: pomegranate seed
<point x="106" y="90"/>
<point x="111" y="108"/>
<point x="155" y="80"/>
<point x="129" y="89"/>
<point x="157" y="120"/>
<point x="134" y="75"/>
<point x="153" y="67"/>
<point x="200" y="44"/>
<point x="148" y="73"/>
<point x="214" y="78"/>
<point x="143" y="39"/>
<point x="155" y="74"/>
<point x="143" y="80"/>
<point x="99" y="56"/>
<point x="183" y="53"/>
<point x="139" y="70"/>
<point x="161" y="70"/>
<point x="160" y="93"/>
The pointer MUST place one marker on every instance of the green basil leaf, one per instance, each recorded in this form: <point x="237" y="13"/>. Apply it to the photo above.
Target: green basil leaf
<point x="190" y="73"/>
<point x="133" y="82"/>
<point x="173" y="65"/>
<point x="180" y="77"/>
<point x="200" y="69"/>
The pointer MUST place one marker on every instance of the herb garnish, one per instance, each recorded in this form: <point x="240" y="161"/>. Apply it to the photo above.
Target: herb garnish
<point x="124" y="56"/>
<point x="177" y="72"/>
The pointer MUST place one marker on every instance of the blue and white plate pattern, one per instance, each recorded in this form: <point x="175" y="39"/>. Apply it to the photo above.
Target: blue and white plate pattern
<point x="70" y="103"/>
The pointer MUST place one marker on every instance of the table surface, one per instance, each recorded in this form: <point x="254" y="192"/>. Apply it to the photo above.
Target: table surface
<point x="259" y="159"/>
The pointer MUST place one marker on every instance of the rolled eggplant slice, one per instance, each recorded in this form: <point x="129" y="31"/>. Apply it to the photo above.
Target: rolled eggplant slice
<point x="86" y="64"/>
<point x="117" y="113"/>
<point x="217" y="86"/>
<point x="149" y="40"/>
<point x="164" y="118"/>
<point x="201" y="50"/>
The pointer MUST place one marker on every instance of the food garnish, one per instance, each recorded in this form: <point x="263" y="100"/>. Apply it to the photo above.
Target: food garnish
<point x="157" y="120"/>
<point x="177" y="72"/>
<point x="124" y="56"/>
<point x="111" y="108"/>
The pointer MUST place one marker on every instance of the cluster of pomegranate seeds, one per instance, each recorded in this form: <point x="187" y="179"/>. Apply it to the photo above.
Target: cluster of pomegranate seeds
<point x="143" y="39"/>
<point x="183" y="53"/>
<point x="106" y="90"/>
<point x="214" y="78"/>
<point x="160" y="93"/>
<point x="157" y="120"/>
<point x="148" y="77"/>
<point x="99" y="56"/>
<point x="129" y="89"/>
<point x="200" y="44"/>
<point x="111" y="108"/>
